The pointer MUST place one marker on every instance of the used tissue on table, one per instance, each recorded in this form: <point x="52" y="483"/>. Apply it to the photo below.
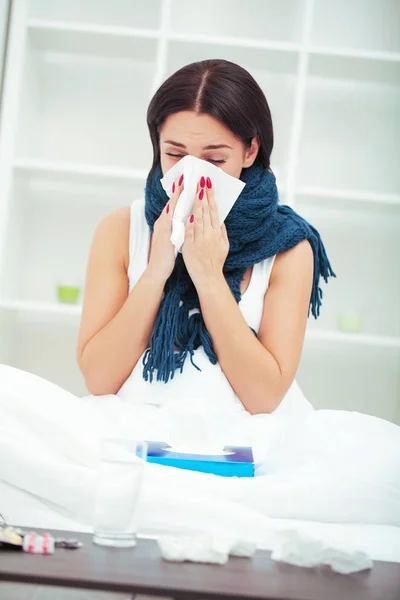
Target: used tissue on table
<point x="205" y="548"/>
<point x="225" y="187"/>
<point x="298" y="549"/>
<point x="230" y="461"/>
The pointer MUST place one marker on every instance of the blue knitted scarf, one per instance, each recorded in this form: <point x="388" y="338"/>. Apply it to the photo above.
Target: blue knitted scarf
<point x="258" y="227"/>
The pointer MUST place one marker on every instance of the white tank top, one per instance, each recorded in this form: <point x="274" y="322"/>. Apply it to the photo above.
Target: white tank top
<point x="210" y="381"/>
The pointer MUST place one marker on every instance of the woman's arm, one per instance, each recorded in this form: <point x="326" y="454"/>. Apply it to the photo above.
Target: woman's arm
<point x="259" y="369"/>
<point x="116" y="326"/>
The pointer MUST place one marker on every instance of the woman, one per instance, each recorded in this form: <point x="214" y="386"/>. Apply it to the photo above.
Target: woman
<point x="257" y="273"/>
<point x="181" y="334"/>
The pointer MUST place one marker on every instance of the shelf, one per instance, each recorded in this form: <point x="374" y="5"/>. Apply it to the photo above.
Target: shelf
<point x="348" y="195"/>
<point x="99" y="12"/>
<point x="373" y="55"/>
<point x="362" y="339"/>
<point x="312" y="334"/>
<point x="275" y="21"/>
<point x="236" y="42"/>
<point x="78" y="169"/>
<point x="41" y="308"/>
<point x="89" y="29"/>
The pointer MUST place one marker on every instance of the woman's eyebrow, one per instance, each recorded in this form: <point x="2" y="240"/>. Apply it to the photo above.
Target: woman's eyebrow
<point x="174" y="143"/>
<point x="217" y="147"/>
<point x="209" y="147"/>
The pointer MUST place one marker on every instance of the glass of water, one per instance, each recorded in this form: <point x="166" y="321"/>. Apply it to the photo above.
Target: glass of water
<point x="119" y="481"/>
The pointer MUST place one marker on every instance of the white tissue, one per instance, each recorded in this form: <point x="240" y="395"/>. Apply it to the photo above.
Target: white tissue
<point x="213" y="549"/>
<point x="298" y="549"/>
<point x="226" y="191"/>
<point x="188" y="431"/>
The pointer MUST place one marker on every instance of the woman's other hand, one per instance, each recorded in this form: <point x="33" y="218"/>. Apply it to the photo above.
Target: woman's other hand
<point x="162" y="252"/>
<point x="206" y="243"/>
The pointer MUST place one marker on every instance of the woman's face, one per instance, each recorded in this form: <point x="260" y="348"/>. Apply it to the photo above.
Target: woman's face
<point x="205" y="137"/>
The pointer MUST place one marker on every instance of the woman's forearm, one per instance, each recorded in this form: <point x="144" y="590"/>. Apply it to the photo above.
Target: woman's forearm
<point x="252" y="371"/>
<point x="110" y="356"/>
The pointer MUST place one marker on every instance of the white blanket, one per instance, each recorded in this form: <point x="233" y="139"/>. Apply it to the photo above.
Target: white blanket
<point x="333" y="466"/>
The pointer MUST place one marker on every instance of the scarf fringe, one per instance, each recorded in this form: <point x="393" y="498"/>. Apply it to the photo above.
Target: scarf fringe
<point x="322" y="266"/>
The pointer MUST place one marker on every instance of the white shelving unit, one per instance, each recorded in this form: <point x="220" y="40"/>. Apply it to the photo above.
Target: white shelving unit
<point x="75" y="146"/>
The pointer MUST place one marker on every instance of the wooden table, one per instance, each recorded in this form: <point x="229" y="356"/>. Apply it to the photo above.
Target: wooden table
<point x="142" y="570"/>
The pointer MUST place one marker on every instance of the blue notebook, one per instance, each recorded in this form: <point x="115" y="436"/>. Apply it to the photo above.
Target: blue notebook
<point x="235" y="461"/>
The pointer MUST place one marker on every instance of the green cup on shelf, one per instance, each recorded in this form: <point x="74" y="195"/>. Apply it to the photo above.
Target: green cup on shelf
<point x="349" y="322"/>
<point x="68" y="294"/>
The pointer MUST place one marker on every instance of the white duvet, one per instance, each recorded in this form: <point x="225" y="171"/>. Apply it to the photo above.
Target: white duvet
<point x="332" y="467"/>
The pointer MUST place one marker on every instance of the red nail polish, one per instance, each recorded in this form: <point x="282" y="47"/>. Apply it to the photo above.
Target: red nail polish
<point x="201" y="194"/>
<point x="180" y="180"/>
<point x="167" y="208"/>
<point x="209" y="184"/>
<point x="173" y="187"/>
<point x="191" y="218"/>
<point x="202" y="182"/>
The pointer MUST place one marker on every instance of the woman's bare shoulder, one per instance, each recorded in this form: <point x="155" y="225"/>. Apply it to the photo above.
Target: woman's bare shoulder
<point x="112" y="234"/>
<point x="298" y="260"/>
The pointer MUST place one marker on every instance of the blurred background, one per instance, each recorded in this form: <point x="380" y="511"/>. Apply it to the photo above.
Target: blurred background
<point x="77" y="77"/>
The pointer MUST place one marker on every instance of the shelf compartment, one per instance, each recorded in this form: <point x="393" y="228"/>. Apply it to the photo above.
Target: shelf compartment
<point x="351" y="129"/>
<point x="377" y="29"/>
<point x="85" y="97"/>
<point x="338" y="377"/>
<point x="50" y="229"/>
<point x="56" y="360"/>
<point x="99" y="12"/>
<point x="276" y="21"/>
<point x="363" y="245"/>
<point x="274" y="71"/>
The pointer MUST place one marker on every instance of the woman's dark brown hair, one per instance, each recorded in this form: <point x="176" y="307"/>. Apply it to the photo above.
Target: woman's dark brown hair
<point x="221" y="89"/>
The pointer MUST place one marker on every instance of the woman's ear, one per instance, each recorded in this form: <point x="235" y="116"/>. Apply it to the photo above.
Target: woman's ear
<point x="251" y="152"/>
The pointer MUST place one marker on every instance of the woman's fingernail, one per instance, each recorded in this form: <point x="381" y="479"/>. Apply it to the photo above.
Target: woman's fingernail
<point x="201" y="194"/>
<point x="209" y="184"/>
<point x="173" y="187"/>
<point x="180" y="180"/>
<point x="191" y="218"/>
<point x="167" y="208"/>
<point x="202" y="182"/>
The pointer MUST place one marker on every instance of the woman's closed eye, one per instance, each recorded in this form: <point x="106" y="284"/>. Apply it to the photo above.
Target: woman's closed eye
<point x="214" y="161"/>
<point x="173" y="155"/>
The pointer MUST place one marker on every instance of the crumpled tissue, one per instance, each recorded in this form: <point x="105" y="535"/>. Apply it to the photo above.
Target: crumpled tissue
<point x="213" y="549"/>
<point x="298" y="549"/>
<point x="226" y="191"/>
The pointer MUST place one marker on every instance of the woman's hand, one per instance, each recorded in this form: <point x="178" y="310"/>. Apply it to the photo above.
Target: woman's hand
<point x="162" y="252"/>
<point x="206" y="243"/>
